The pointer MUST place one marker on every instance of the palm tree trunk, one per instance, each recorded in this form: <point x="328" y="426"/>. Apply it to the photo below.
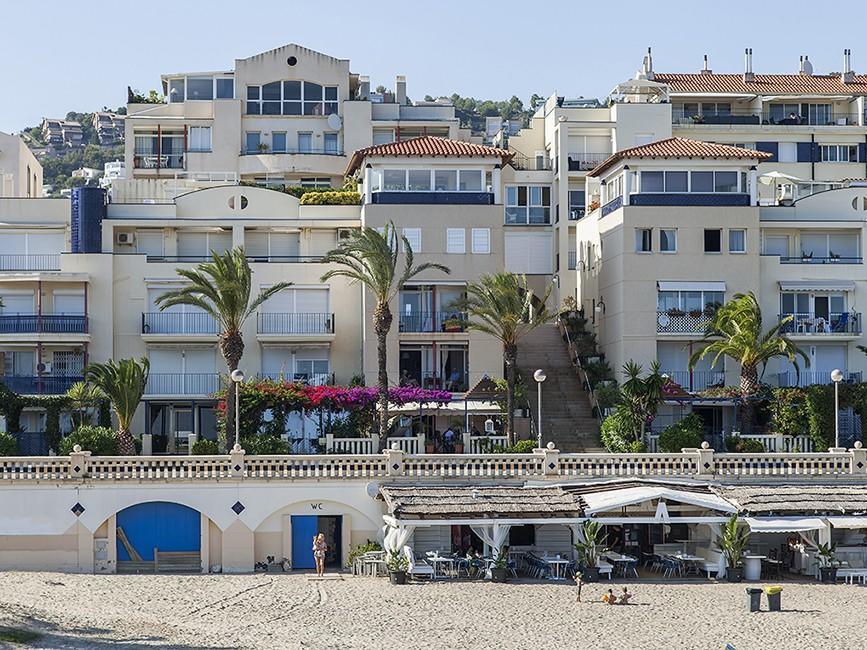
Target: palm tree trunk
<point x="232" y="349"/>
<point x="382" y="325"/>
<point x="749" y="387"/>
<point x="125" y="442"/>
<point x="510" y="357"/>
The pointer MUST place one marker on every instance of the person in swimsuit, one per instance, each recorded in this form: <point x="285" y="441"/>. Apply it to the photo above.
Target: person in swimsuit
<point x="319" y="550"/>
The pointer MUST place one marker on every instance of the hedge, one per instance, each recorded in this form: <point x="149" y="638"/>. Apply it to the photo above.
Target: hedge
<point x="8" y="445"/>
<point x="683" y="434"/>
<point x="99" y="441"/>
<point x="337" y="197"/>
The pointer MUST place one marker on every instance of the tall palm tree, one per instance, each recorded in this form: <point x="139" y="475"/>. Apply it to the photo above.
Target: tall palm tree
<point x="83" y="396"/>
<point x="124" y="384"/>
<point x="503" y="306"/>
<point x="372" y="259"/>
<point x="222" y="288"/>
<point x="736" y="332"/>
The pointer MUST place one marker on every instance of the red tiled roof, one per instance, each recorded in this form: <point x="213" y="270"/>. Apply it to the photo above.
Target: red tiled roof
<point x="681" y="148"/>
<point x="428" y="146"/>
<point x="764" y="84"/>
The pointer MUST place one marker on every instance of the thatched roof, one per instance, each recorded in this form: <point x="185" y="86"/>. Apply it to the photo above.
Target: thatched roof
<point x="796" y="499"/>
<point x="481" y="502"/>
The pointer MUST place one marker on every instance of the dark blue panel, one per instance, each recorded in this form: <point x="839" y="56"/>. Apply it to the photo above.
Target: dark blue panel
<point x="807" y="152"/>
<point x="862" y="152"/>
<point x="433" y="198"/>
<point x="732" y="199"/>
<point x="772" y="148"/>
<point x="161" y="525"/>
<point x="304" y="529"/>
<point x="88" y="211"/>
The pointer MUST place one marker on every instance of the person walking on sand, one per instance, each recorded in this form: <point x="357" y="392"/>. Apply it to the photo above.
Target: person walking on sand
<point x="319" y="550"/>
<point x="578" y="584"/>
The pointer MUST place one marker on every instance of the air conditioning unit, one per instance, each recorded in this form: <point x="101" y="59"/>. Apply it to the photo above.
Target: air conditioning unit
<point x="343" y="234"/>
<point x="44" y="367"/>
<point x="125" y="238"/>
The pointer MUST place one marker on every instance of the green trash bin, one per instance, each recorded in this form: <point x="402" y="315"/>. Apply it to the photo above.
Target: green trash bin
<point x="755" y="596"/>
<point x="774" y="594"/>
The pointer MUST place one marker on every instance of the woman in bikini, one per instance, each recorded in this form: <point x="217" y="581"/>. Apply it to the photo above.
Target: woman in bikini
<point x="319" y="550"/>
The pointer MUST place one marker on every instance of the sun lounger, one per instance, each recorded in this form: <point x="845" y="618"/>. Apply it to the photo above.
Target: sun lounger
<point x="417" y="567"/>
<point x="850" y="575"/>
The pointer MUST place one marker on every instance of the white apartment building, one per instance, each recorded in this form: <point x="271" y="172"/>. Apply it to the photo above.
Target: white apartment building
<point x="20" y="171"/>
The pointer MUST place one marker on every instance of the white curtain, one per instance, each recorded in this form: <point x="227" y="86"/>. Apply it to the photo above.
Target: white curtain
<point x="396" y="538"/>
<point x="494" y="535"/>
<point x="722" y="565"/>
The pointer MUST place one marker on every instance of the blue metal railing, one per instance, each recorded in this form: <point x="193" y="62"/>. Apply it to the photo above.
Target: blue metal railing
<point x="48" y="262"/>
<point x="811" y="323"/>
<point x="38" y="385"/>
<point x="178" y="323"/>
<point x="286" y="323"/>
<point x="45" y="323"/>
<point x="433" y="321"/>
<point x="182" y="383"/>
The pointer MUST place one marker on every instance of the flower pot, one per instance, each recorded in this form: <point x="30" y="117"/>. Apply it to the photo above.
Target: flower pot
<point x="429" y="448"/>
<point x="499" y="574"/>
<point x="735" y="574"/>
<point x="459" y="448"/>
<point x="397" y="577"/>
<point x="828" y="574"/>
<point x="589" y="574"/>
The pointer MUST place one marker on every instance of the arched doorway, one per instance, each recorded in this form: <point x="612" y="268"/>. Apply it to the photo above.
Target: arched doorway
<point x="158" y="536"/>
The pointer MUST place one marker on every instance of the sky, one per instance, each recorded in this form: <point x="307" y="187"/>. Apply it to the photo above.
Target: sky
<point x="86" y="54"/>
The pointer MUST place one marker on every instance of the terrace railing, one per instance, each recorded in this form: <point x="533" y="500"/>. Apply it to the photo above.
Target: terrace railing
<point x="44" y="262"/>
<point x="295" y="323"/>
<point x="43" y="324"/>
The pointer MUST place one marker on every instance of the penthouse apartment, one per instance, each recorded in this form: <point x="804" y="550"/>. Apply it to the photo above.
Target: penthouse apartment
<point x="20" y="171"/>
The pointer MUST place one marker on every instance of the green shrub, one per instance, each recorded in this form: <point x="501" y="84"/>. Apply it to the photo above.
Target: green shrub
<point x="205" y="448"/>
<point x="99" y="441"/>
<point x="264" y="445"/>
<point x="616" y="435"/>
<point x="522" y="447"/>
<point x="337" y="197"/>
<point x="607" y="395"/>
<point x="361" y="549"/>
<point x="8" y="445"/>
<point x="685" y="433"/>
<point x="739" y="445"/>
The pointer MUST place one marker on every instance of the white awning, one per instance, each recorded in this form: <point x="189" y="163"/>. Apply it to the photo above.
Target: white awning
<point x="458" y="406"/>
<point x="677" y="285"/>
<point x="848" y="522"/>
<point x="614" y="499"/>
<point x="780" y="525"/>
<point x="817" y="285"/>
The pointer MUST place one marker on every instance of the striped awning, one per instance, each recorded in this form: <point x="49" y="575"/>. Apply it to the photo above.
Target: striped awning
<point x="817" y="285"/>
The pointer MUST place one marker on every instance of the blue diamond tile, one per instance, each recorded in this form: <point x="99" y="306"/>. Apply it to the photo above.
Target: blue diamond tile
<point x="238" y="507"/>
<point x="551" y="465"/>
<point x="77" y="509"/>
<point x="76" y="469"/>
<point x="237" y="468"/>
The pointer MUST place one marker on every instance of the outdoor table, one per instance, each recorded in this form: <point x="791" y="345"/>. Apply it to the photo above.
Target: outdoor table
<point x="443" y="566"/>
<point x="620" y="561"/>
<point x="691" y="559"/>
<point x="558" y="567"/>
<point x="753" y="566"/>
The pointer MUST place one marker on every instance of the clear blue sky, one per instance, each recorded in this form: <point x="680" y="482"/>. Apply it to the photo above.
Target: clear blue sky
<point x="60" y="56"/>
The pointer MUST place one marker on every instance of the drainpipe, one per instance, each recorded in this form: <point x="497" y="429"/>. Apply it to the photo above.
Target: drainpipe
<point x="813" y="157"/>
<point x="86" y="318"/>
<point x="39" y="306"/>
<point x="159" y="147"/>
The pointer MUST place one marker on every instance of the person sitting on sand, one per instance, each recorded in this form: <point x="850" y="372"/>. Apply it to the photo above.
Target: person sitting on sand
<point x="610" y="598"/>
<point x="624" y="597"/>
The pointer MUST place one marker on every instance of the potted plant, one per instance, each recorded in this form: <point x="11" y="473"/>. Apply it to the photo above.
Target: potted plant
<point x="731" y="543"/>
<point x="500" y="567"/>
<point x="590" y="550"/>
<point x="826" y="559"/>
<point x="674" y="311"/>
<point x="397" y="565"/>
<point x="696" y="313"/>
<point x="453" y="324"/>
<point x="594" y="205"/>
<point x="262" y="147"/>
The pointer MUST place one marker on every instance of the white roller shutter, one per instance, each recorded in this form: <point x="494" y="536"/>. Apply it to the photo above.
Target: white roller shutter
<point x="529" y="252"/>
<point x="311" y="301"/>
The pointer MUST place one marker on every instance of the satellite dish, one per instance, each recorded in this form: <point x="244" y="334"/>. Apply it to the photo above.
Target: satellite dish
<point x="372" y="490"/>
<point x="334" y="121"/>
<point x="663" y="320"/>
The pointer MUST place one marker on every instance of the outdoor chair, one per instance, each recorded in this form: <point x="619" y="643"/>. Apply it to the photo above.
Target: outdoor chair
<point x="630" y="567"/>
<point x="417" y="568"/>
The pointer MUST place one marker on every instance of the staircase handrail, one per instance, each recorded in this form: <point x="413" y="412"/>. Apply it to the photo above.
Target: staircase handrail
<point x="581" y="372"/>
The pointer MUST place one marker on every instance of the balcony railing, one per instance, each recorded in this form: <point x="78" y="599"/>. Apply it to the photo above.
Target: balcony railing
<point x="614" y="204"/>
<point x="49" y="262"/>
<point x="576" y="213"/>
<point x="834" y="323"/>
<point x="253" y="259"/>
<point x="39" y="385"/>
<point x="584" y="162"/>
<point x="747" y="116"/>
<point x="696" y="380"/>
<point x="531" y="163"/>
<point x="43" y="324"/>
<point x="178" y="323"/>
<point x="811" y="377"/>
<point x="148" y="160"/>
<point x="805" y="259"/>
<point x="433" y="321"/>
<point x="286" y="323"/>
<point x="677" y="321"/>
<point x="315" y="379"/>
<point x="455" y="382"/>
<point x="182" y="383"/>
<point x="316" y="151"/>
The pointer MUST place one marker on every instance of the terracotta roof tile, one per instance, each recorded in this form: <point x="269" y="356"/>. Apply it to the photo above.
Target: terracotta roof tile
<point x="681" y="148"/>
<point x="428" y="146"/>
<point x="764" y="84"/>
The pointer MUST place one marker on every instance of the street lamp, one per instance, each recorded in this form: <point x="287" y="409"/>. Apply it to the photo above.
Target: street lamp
<point x="237" y="376"/>
<point x="539" y="376"/>
<point x="836" y="377"/>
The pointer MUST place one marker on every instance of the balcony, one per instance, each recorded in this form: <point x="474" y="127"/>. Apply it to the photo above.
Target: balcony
<point x="584" y="162"/>
<point x="294" y="323"/>
<point x="765" y="118"/>
<point x="614" y="204"/>
<point x="49" y="262"/>
<point x="576" y="213"/>
<point x="178" y="323"/>
<point x="314" y="151"/>
<point x="39" y="385"/>
<point x="155" y="161"/>
<point x="456" y="382"/>
<point x="316" y="379"/>
<point x="253" y="259"/>
<point x="531" y="163"/>
<point x="696" y="380"/>
<point x="813" y="377"/>
<point x="822" y="325"/>
<point x="42" y="324"/>
<point x="677" y="321"/>
<point x="433" y="321"/>
<point x="432" y="198"/>
<point x="702" y="199"/>
<point x="809" y="259"/>
<point x="181" y="383"/>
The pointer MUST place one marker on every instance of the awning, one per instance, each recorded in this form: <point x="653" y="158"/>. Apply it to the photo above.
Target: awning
<point x="458" y="407"/>
<point x="848" y="522"/>
<point x="618" y="498"/>
<point x="817" y="285"/>
<point x="677" y="285"/>
<point x="780" y="525"/>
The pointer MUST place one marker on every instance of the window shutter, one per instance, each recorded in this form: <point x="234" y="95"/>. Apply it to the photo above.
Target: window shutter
<point x="481" y="241"/>
<point x="862" y="152"/>
<point x="456" y="240"/>
<point x="413" y="236"/>
<point x="805" y="152"/>
<point x="772" y="148"/>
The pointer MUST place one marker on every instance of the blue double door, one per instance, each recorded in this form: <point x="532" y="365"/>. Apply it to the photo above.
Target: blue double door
<point x="305" y="528"/>
<point x="161" y="525"/>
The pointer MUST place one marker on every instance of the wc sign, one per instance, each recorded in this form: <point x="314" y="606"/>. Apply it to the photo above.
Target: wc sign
<point x="316" y="506"/>
<point x="863" y="200"/>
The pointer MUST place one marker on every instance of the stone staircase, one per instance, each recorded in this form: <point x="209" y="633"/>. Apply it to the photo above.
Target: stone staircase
<point x="567" y="417"/>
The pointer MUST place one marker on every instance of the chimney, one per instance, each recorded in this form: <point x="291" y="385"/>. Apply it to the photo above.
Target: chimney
<point x="400" y="89"/>
<point x="748" y="65"/>
<point x="705" y="69"/>
<point x="806" y="66"/>
<point x="648" y="68"/>
<point x="363" y="91"/>
<point x="848" y="75"/>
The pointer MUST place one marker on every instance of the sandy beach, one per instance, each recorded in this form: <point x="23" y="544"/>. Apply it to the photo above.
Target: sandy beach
<point x="289" y="611"/>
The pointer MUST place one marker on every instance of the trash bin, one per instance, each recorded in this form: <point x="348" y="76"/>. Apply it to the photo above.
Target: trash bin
<point x="774" y="594"/>
<point x="755" y="598"/>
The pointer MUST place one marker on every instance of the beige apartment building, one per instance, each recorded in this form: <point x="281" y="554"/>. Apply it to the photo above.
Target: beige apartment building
<point x="20" y="171"/>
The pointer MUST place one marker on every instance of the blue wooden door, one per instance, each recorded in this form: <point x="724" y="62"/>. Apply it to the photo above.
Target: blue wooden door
<point x="304" y="529"/>
<point x="166" y="526"/>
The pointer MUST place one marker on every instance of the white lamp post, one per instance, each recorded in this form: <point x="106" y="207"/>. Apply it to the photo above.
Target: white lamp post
<point x="237" y="376"/>
<point x="836" y="377"/>
<point x="539" y="376"/>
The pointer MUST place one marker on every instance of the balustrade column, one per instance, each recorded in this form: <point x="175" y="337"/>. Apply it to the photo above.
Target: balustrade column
<point x="236" y="462"/>
<point x="394" y="461"/>
<point x="703" y="457"/>
<point x="78" y="461"/>
<point x="859" y="459"/>
<point x="550" y="459"/>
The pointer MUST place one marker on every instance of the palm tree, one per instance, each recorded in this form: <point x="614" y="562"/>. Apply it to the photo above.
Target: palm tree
<point x="503" y="306"/>
<point x="371" y="259"/>
<point x="222" y="289"/>
<point x="640" y="396"/>
<point x="124" y="384"/>
<point x="736" y="332"/>
<point x="83" y="396"/>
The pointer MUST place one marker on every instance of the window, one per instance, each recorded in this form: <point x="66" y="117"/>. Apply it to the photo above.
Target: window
<point x="383" y="136"/>
<point x="784" y="113"/>
<point x="576" y="204"/>
<point x="775" y="245"/>
<point x="278" y="141"/>
<point x="614" y="188"/>
<point x="787" y="152"/>
<point x="252" y="141"/>
<point x="291" y="98"/>
<point x="522" y="535"/>
<point x="313" y="99"/>
<point x="331" y="143"/>
<point x="456" y="240"/>
<point x="667" y="240"/>
<point x="200" y="88"/>
<point x="225" y="88"/>
<point x="838" y="153"/>
<point x="413" y="236"/>
<point x="713" y="240"/>
<point x="200" y="138"/>
<point x="643" y="240"/>
<point x="737" y="241"/>
<point x="271" y="98"/>
<point x="652" y="182"/>
<point x="418" y="180"/>
<point x="394" y="180"/>
<point x="676" y="182"/>
<point x="702" y="181"/>
<point x="445" y="180"/>
<point x="689" y="300"/>
<point x="470" y="180"/>
<point x="176" y="90"/>
<point x="725" y="182"/>
<point x="820" y="114"/>
<point x="305" y="142"/>
<point x="528" y="204"/>
<point x="481" y="241"/>
<point x="254" y="107"/>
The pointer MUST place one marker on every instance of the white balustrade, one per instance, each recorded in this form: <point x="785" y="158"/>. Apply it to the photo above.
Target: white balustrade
<point x="486" y="444"/>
